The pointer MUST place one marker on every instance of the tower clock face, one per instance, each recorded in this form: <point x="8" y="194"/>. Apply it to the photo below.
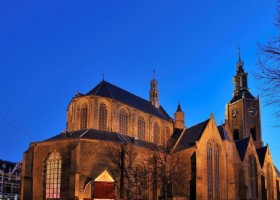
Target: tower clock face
<point x="234" y="112"/>
<point x="252" y="111"/>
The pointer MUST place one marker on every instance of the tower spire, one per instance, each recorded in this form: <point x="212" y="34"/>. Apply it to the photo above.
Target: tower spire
<point x="154" y="94"/>
<point x="240" y="63"/>
<point x="179" y="107"/>
<point x="239" y="57"/>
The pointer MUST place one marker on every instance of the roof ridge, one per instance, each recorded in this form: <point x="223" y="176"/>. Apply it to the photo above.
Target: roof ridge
<point x="98" y="87"/>
<point x="128" y="92"/>
<point x="105" y="82"/>
<point x="178" y="140"/>
<point x="111" y="91"/>
<point x="199" y="123"/>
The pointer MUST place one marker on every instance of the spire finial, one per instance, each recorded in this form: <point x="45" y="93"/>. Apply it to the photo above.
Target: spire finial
<point x="103" y="77"/>
<point x="154" y="74"/>
<point x="179" y="109"/>
<point x="239" y="57"/>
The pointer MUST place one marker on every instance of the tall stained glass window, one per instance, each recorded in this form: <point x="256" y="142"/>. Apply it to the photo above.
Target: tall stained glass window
<point x="103" y="117"/>
<point x="156" y="133"/>
<point x="84" y="114"/>
<point x="53" y="176"/>
<point x="213" y="171"/>
<point x="141" y="128"/>
<point x="123" y="123"/>
<point x="252" y="178"/>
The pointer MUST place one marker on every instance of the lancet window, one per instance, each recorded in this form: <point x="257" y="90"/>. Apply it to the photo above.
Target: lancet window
<point x="53" y="176"/>
<point x="252" y="178"/>
<point x="84" y="116"/>
<point x="156" y="133"/>
<point x="103" y="117"/>
<point x="213" y="171"/>
<point x="269" y="181"/>
<point x="123" y="123"/>
<point x="141" y="128"/>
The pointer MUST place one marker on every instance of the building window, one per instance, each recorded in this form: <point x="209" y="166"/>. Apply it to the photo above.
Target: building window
<point x="166" y="135"/>
<point x="253" y="133"/>
<point x="236" y="134"/>
<point x="123" y="123"/>
<point x="141" y="128"/>
<point x="84" y="112"/>
<point x="252" y="178"/>
<point x="73" y="112"/>
<point x="269" y="178"/>
<point x="213" y="171"/>
<point x="53" y="176"/>
<point x="156" y="133"/>
<point x="102" y="117"/>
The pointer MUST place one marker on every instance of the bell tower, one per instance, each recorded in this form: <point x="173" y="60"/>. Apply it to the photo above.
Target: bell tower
<point x="243" y="111"/>
<point x="154" y="92"/>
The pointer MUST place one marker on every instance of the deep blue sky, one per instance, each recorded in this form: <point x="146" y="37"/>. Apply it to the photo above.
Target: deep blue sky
<point x="51" y="49"/>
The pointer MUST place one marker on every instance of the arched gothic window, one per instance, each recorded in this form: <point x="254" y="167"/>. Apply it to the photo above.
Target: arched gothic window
<point x="84" y="114"/>
<point x="156" y="133"/>
<point x="123" y="122"/>
<point x="141" y="128"/>
<point x="269" y="181"/>
<point x="166" y="135"/>
<point x="103" y="117"/>
<point x="213" y="171"/>
<point x="252" y="178"/>
<point x="53" y="176"/>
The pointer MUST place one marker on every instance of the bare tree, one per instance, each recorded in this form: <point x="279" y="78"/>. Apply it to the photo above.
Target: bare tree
<point x="169" y="170"/>
<point x="269" y="68"/>
<point x="125" y="161"/>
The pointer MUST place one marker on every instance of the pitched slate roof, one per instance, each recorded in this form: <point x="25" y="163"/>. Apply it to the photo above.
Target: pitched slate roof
<point x="191" y="135"/>
<point x="108" y="90"/>
<point x="261" y="154"/>
<point x="223" y="133"/>
<point x="244" y="92"/>
<point x="241" y="146"/>
<point x="94" y="134"/>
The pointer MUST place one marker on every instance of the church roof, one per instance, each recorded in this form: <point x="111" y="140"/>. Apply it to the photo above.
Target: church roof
<point x="223" y="133"/>
<point x="244" y="92"/>
<point x="94" y="134"/>
<point x="108" y="90"/>
<point x="241" y="146"/>
<point x="261" y="154"/>
<point x="277" y="171"/>
<point x="191" y="135"/>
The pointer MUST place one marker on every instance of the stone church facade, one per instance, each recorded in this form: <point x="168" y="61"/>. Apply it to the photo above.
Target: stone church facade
<point x="120" y="146"/>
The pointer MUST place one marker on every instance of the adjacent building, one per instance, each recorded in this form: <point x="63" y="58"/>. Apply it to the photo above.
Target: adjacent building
<point x="10" y="177"/>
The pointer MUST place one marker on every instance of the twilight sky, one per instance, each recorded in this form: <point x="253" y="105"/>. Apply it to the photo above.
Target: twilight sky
<point x="50" y="50"/>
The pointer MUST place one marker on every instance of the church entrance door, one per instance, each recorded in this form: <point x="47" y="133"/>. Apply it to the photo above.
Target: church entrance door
<point x="103" y="187"/>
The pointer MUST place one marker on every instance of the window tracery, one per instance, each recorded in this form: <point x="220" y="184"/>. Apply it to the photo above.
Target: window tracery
<point x="156" y="133"/>
<point x="103" y="117"/>
<point x="123" y="123"/>
<point x="141" y="128"/>
<point x="53" y="176"/>
<point x="252" y="178"/>
<point x="213" y="170"/>
<point x="84" y="116"/>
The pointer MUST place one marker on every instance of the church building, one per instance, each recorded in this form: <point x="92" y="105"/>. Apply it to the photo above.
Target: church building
<point x="120" y="146"/>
